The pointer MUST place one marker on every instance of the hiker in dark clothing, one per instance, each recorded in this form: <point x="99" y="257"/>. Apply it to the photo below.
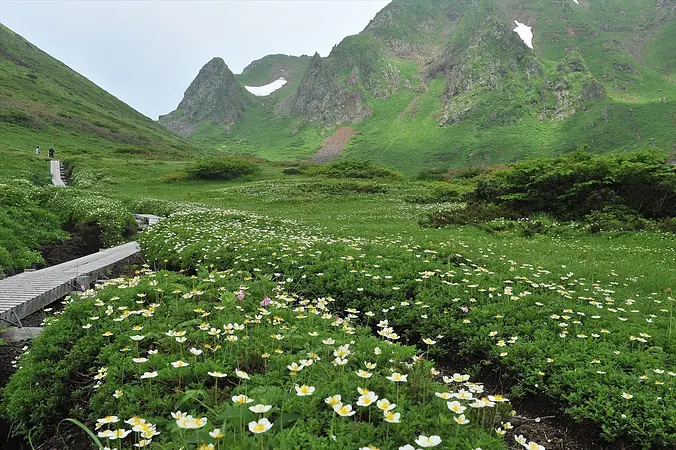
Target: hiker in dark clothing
<point x="51" y="152"/>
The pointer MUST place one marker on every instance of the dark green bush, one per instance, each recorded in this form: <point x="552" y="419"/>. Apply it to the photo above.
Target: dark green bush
<point x="222" y="169"/>
<point x="358" y="169"/>
<point x="472" y="214"/>
<point x="668" y="225"/>
<point x="614" y="218"/>
<point x="577" y="184"/>
<point x="432" y="175"/>
<point x="293" y="171"/>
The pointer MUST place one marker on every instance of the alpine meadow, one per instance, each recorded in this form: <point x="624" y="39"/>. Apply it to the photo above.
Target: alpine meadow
<point x="456" y="231"/>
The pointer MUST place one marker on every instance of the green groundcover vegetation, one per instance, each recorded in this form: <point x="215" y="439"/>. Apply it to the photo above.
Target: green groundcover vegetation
<point x="245" y="326"/>
<point x="224" y="359"/>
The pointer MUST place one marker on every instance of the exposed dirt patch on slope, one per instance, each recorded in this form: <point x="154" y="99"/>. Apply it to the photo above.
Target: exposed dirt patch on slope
<point x="84" y="240"/>
<point x="333" y="145"/>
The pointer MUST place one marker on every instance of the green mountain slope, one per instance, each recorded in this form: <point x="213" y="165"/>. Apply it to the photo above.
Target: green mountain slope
<point x="42" y="101"/>
<point x="448" y="83"/>
<point x="272" y="67"/>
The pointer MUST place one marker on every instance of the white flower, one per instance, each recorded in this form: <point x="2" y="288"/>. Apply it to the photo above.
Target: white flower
<point x="520" y="439"/>
<point x="385" y="405"/>
<point x="397" y="377"/>
<point x="431" y="441"/>
<point x="391" y="417"/>
<point x="456" y="407"/>
<point x="260" y="409"/>
<point x="305" y="390"/>
<point x="241" y="399"/>
<point x="242" y="374"/>
<point x="261" y="426"/>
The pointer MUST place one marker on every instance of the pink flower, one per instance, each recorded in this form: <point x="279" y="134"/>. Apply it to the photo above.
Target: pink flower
<point x="240" y="295"/>
<point x="266" y="301"/>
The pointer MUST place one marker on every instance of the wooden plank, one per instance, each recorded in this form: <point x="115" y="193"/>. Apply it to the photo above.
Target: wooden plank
<point x="29" y="292"/>
<point x="55" y="169"/>
<point x="15" y="334"/>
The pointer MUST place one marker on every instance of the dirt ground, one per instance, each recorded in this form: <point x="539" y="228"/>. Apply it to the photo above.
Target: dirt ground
<point x="84" y="240"/>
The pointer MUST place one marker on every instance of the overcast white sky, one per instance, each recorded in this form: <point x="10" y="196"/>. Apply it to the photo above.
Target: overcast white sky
<point x="147" y="52"/>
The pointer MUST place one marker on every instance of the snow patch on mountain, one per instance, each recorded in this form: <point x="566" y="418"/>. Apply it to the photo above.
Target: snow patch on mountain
<point x="525" y="33"/>
<point x="263" y="91"/>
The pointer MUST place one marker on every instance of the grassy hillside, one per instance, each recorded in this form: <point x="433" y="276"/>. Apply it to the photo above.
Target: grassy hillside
<point x="270" y="68"/>
<point x="44" y="102"/>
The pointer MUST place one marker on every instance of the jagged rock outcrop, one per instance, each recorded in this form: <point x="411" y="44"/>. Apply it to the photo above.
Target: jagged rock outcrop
<point x="320" y="97"/>
<point x="571" y="88"/>
<point x="214" y="96"/>
<point x="494" y="79"/>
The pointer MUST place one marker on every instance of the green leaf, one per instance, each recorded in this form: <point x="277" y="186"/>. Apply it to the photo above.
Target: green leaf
<point x="84" y="428"/>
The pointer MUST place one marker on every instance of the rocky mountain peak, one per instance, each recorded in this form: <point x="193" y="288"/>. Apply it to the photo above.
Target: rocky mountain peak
<point x="214" y="96"/>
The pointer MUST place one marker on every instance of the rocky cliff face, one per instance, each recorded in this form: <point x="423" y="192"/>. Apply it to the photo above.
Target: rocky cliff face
<point x="214" y="96"/>
<point x="494" y="79"/>
<point x="320" y="97"/>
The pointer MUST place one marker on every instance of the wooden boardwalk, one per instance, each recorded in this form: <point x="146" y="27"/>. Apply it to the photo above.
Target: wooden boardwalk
<point x="31" y="291"/>
<point x="55" y="169"/>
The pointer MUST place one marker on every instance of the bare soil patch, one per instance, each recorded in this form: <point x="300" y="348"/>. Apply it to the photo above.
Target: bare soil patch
<point x="333" y="145"/>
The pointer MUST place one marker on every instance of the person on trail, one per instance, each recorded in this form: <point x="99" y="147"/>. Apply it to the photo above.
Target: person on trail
<point x="51" y="152"/>
<point x="37" y="150"/>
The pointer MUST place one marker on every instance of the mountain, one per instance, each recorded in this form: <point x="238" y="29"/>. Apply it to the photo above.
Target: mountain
<point x="450" y="83"/>
<point x="272" y="67"/>
<point x="214" y="96"/>
<point x="42" y="101"/>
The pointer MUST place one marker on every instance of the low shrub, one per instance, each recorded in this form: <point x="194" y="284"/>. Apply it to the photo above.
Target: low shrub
<point x="153" y="206"/>
<point x="615" y="218"/>
<point x="23" y="230"/>
<point x="74" y="206"/>
<point x="357" y="169"/>
<point x="222" y="169"/>
<point x="87" y="178"/>
<point x="432" y="175"/>
<point x="24" y="227"/>
<point x="471" y="214"/>
<point x="668" y="225"/>
<point x="293" y="171"/>
<point x="578" y="184"/>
